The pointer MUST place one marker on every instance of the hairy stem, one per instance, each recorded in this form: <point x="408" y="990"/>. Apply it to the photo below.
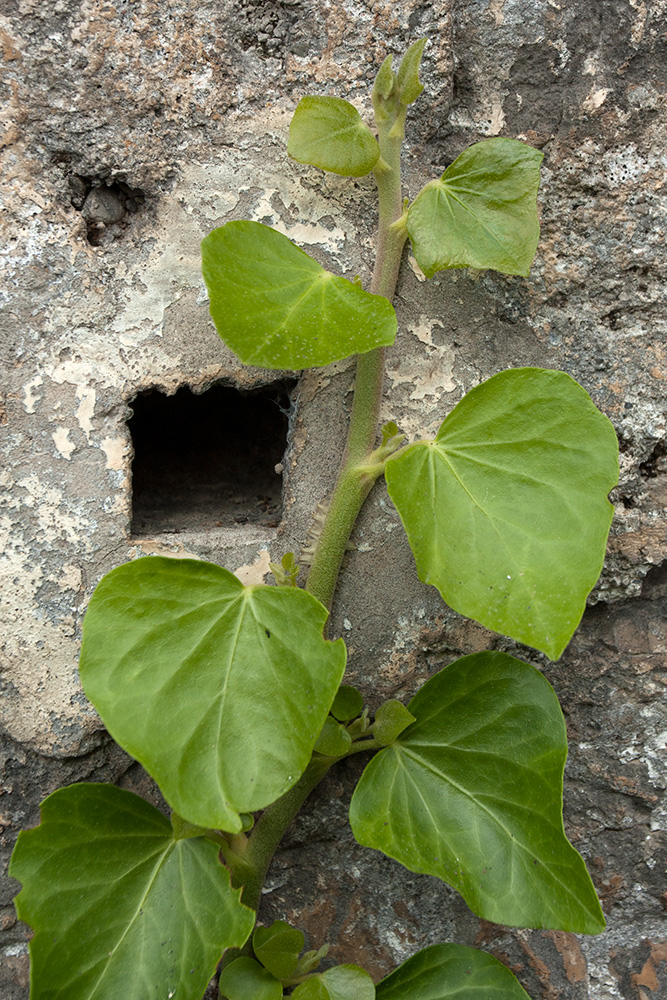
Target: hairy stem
<point x="355" y="480"/>
<point x="249" y="869"/>
<point x="250" y="864"/>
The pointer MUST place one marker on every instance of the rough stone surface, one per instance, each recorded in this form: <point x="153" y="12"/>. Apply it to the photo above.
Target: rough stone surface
<point x="127" y="131"/>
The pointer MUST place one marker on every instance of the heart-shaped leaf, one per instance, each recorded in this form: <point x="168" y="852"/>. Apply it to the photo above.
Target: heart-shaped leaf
<point x="391" y="718"/>
<point x="328" y="132"/>
<point x="472" y="793"/>
<point x="118" y="906"/>
<point x="245" y="979"/>
<point x="506" y="511"/>
<point x="219" y="690"/>
<point x="278" y="948"/>
<point x="482" y="212"/>
<point x="276" y="307"/>
<point x="444" y="971"/>
<point x="342" y="982"/>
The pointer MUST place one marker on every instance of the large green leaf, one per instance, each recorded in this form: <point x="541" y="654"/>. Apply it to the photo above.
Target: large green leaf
<point x="444" y="971"/>
<point x="118" y="906"/>
<point x="328" y="132"/>
<point x="342" y="982"/>
<point x="506" y="510"/>
<point x="472" y="793"/>
<point x="482" y="212"/>
<point x="219" y="690"/>
<point x="276" y="307"/>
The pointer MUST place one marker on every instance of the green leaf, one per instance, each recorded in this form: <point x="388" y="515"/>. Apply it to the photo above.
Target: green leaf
<point x="334" y="740"/>
<point x="391" y="433"/>
<point x="385" y="82"/>
<point x="482" y="211"/>
<point x="245" y="979"/>
<point x="342" y="982"/>
<point x="447" y="970"/>
<point x="472" y="793"/>
<point x="286" y="572"/>
<point x="311" y="959"/>
<point x="328" y="132"/>
<point x="348" y="703"/>
<point x="506" y="510"/>
<point x="118" y="906"/>
<point x="409" y="85"/>
<point x="276" y="307"/>
<point x="219" y="690"/>
<point x="182" y="830"/>
<point x="278" y="948"/>
<point x="312" y="989"/>
<point x="391" y="719"/>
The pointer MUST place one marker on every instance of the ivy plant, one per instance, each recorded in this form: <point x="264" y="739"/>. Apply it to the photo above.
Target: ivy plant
<point x="231" y="696"/>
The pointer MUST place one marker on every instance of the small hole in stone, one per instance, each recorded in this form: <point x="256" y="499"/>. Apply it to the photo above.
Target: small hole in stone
<point x="106" y="205"/>
<point x="207" y="461"/>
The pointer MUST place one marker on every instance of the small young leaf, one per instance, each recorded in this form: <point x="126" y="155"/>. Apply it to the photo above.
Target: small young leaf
<point x="385" y="82"/>
<point x="334" y="740"/>
<point x="482" y="211"/>
<point x="409" y="85"/>
<point x="348" y="703"/>
<point x="391" y="719"/>
<point x="286" y="571"/>
<point x="472" y="793"/>
<point x="447" y="970"/>
<point x="245" y="979"/>
<point x="118" y="906"/>
<point x="392" y="439"/>
<point x="342" y="982"/>
<point x="389" y="430"/>
<point x="311" y="959"/>
<point x="328" y="132"/>
<point x="359" y="726"/>
<point x="278" y="948"/>
<point x="506" y="511"/>
<point x="219" y="690"/>
<point x="276" y="307"/>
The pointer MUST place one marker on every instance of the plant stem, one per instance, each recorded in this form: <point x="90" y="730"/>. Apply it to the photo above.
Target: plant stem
<point x="354" y="481"/>
<point x="249" y="861"/>
<point x="249" y="870"/>
<point x="250" y="864"/>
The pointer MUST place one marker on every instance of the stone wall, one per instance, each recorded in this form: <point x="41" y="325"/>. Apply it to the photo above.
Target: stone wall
<point x="129" y="129"/>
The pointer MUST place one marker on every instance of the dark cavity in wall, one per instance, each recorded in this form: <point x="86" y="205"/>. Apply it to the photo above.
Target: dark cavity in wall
<point x="106" y="205"/>
<point x="208" y="460"/>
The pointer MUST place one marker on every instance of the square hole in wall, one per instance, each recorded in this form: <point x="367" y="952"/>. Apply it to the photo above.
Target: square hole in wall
<point x="208" y="460"/>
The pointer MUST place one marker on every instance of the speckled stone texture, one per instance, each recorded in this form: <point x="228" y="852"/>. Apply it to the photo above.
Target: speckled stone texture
<point x="128" y="129"/>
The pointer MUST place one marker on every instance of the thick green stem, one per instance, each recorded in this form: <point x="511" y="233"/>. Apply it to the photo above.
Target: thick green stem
<point x="249" y="859"/>
<point x="355" y="478"/>
<point x="250" y="868"/>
